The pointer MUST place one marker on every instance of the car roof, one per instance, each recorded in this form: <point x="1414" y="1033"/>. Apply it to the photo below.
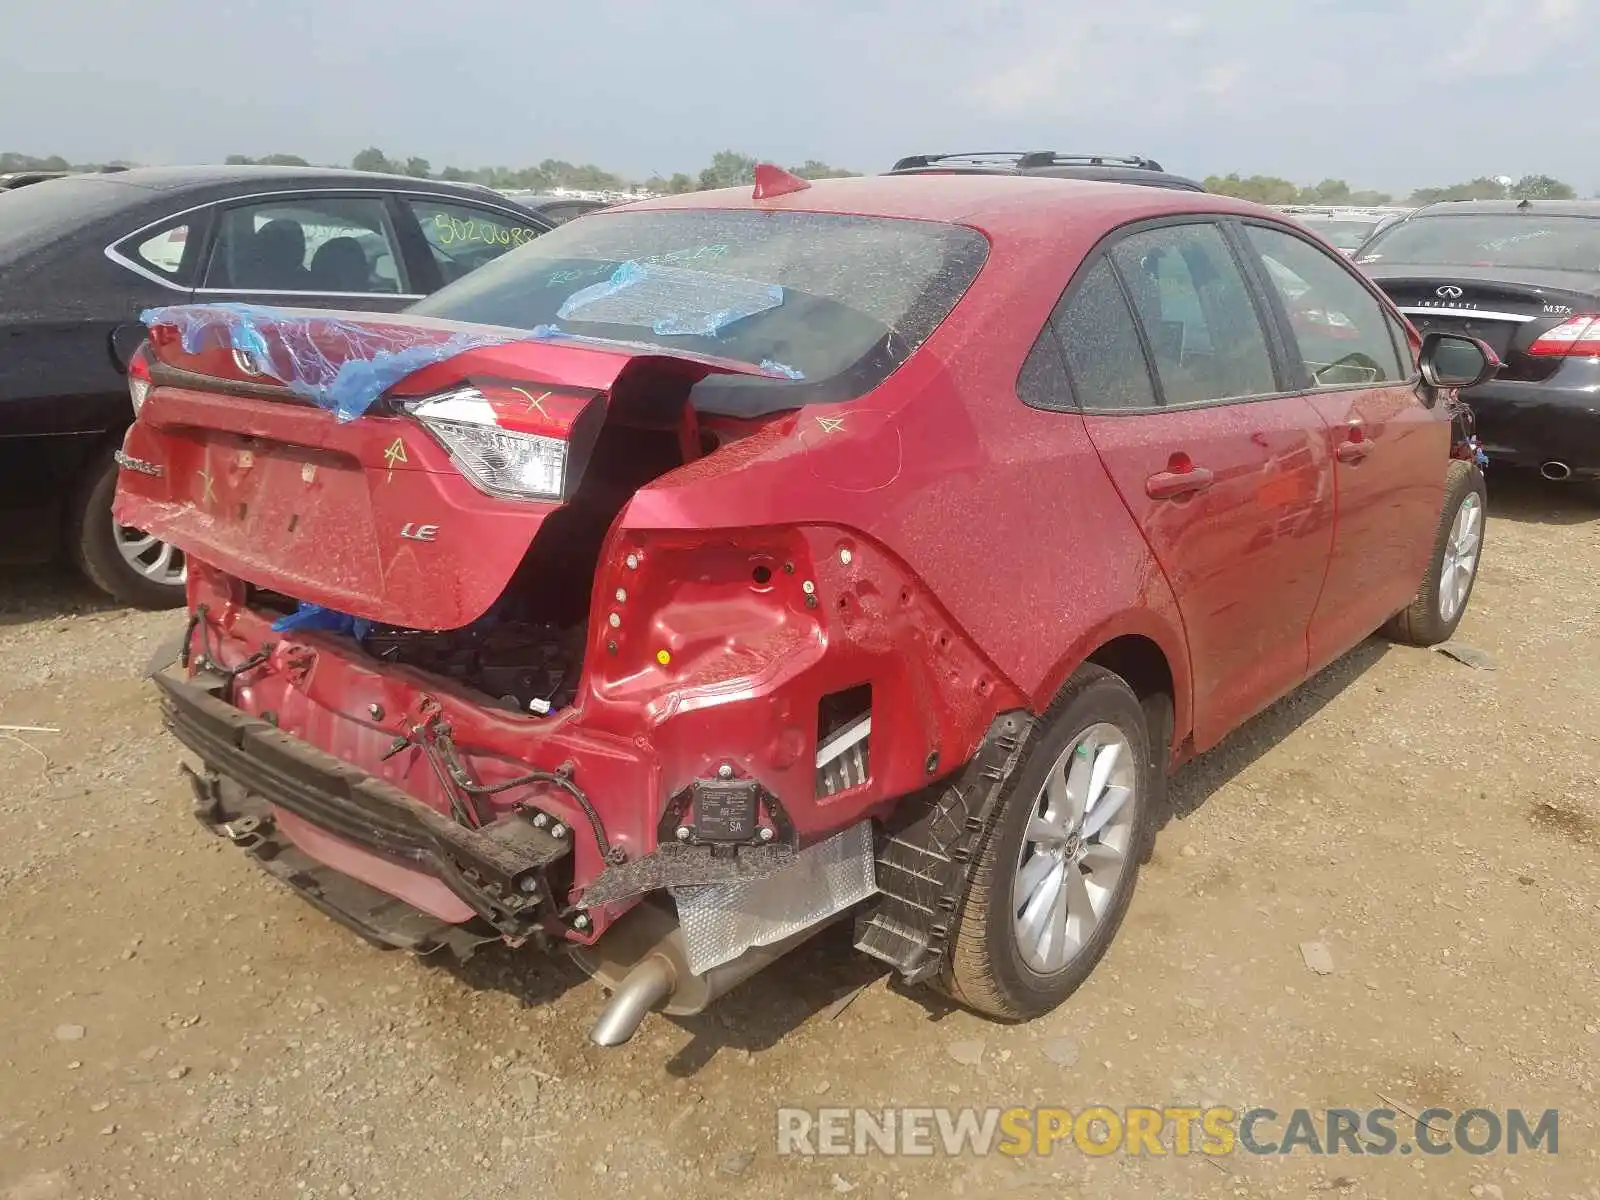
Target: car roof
<point x="1570" y="208"/>
<point x="997" y="202"/>
<point x="177" y="180"/>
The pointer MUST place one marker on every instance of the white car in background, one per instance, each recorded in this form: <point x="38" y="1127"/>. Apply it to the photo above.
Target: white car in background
<point x="1345" y="227"/>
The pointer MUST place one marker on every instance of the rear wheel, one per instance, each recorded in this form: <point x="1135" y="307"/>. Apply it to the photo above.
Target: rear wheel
<point x="128" y="565"/>
<point x="1059" y="864"/>
<point x="1453" y="568"/>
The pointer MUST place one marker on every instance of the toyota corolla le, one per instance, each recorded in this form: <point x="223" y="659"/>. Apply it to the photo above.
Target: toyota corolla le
<point x="722" y="566"/>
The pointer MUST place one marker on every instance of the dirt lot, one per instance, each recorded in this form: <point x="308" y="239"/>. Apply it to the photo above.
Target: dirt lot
<point x="172" y="1023"/>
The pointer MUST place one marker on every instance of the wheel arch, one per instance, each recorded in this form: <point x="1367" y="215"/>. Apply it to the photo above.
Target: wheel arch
<point x="1148" y="656"/>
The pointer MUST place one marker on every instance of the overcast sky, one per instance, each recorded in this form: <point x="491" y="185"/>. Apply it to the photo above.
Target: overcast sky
<point x="1384" y="93"/>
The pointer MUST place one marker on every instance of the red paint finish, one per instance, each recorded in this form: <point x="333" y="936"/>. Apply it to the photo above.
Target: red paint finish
<point x="1386" y="445"/>
<point x="964" y="553"/>
<point x="1230" y="497"/>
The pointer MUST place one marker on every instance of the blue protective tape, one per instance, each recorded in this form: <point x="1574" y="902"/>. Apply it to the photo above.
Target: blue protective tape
<point x="670" y="301"/>
<point x="367" y="362"/>
<point x="315" y="617"/>
<point x="344" y="366"/>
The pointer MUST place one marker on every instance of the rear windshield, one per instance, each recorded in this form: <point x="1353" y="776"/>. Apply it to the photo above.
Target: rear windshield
<point x="39" y="214"/>
<point x="1536" y="241"/>
<point x="830" y="303"/>
<point x="1345" y="234"/>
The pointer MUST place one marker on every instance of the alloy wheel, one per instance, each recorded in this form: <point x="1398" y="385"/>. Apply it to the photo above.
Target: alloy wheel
<point x="158" y="561"/>
<point x="1075" y="848"/>
<point x="1460" y="557"/>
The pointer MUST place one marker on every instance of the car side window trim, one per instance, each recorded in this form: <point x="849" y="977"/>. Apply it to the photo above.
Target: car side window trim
<point x="1283" y="327"/>
<point x="124" y="251"/>
<point x="112" y="252"/>
<point x="1102" y="249"/>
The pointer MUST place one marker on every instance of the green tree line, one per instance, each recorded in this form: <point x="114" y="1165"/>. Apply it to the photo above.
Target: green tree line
<point x="727" y="168"/>
<point x="730" y="168"/>
<point x="1269" y="189"/>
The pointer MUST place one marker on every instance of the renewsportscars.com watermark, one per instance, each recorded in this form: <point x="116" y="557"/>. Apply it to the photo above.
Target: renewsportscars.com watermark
<point x="1099" y="1130"/>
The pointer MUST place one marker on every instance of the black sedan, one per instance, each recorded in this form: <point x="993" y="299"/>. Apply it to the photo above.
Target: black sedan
<point x="82" y="256"/>
<point x="1523" y="276"/>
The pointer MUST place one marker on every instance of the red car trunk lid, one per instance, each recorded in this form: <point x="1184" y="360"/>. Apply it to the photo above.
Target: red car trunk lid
<point x="370" y="516"/>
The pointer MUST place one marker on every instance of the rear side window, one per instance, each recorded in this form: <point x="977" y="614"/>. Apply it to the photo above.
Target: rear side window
<point x="163" y="252"/>
<point x="341" y="245"/>
<point x="1197" y="314"/>
<point x="463" y="237"/>
<point x="1339" y="326"/>
<point x="1101" y="344"/>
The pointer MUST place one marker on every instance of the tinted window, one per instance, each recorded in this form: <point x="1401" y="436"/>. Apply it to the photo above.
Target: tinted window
<point x="1042" y="382"/>
<point x="1101" y="345"/>
<point x="464" y="237"/>
<point x="817" y="296"/>
<point x="1196" y="313"/>
<point x="338" y="244"/>
<point x="162" y="252"/>
<point x="1341" y="329"/>
<point x="1531" y="240"/>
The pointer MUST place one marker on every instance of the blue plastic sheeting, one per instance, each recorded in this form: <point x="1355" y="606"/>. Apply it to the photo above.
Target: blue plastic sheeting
<point x="314" y="616"/>
<point x="780" y="369"/>
<point x="671" y="301"/>
<point x="342" y="366"/>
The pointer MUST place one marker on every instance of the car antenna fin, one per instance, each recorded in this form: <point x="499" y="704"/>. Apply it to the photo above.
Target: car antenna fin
<point x="775" y="181"/>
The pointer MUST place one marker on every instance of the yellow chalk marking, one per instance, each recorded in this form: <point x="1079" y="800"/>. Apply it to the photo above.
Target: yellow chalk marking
<point x="536" y="402"/>
<point x="396" y="453"/>
<point x="663" y="657"/>
<point x="831" y="424"/>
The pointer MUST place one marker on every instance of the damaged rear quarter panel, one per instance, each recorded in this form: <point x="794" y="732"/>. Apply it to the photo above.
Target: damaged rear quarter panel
<point x="988" y="556"/>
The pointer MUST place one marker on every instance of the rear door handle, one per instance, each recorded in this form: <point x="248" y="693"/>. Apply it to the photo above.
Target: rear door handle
<point x="1168" y="485"/>
<point x="1355" y="447"/>
<point x="1353" y="452"/>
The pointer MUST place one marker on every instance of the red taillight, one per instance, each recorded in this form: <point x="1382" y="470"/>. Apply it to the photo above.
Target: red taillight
<point x="139" y="382"/>
<point x="1577" y="337"/>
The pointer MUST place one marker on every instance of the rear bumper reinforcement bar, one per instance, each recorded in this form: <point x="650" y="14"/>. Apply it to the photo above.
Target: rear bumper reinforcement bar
<point x="500" y="871"/>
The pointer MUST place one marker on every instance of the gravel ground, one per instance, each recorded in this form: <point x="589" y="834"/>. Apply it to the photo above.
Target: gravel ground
<point x="172" y="1023"/>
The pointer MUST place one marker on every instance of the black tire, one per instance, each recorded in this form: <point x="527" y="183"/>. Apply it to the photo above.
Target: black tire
<point x="986" y="970"/>
<point x="1423" y="623"/>
<point x="91" y="541"/>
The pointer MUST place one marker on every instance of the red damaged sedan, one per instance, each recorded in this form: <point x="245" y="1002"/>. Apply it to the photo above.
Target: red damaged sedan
<point x="718" y="567"/>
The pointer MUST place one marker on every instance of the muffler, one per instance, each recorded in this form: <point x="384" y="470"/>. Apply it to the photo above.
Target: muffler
<point x="649" y="962"/>
<point x="644" y="961"/>
<point x="1558" y="471"/>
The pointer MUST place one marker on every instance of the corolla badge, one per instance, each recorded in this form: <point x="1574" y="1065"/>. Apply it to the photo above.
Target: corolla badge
<point x="138" y="465"/>
<point x="1449" y="292"/>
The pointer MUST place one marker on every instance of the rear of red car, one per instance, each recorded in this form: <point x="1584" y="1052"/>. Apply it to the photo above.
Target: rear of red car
<point x="509" y="611"/>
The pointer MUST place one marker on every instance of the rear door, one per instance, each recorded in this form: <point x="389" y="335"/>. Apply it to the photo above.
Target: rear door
<point x="1230" y="479"/>
<point x="310" y="250"/>
<point x="1390" y="449"/>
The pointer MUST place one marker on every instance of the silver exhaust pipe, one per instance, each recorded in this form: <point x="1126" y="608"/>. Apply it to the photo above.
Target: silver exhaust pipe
<point x="644" y="961"/>
<point x="1558" y="471"/>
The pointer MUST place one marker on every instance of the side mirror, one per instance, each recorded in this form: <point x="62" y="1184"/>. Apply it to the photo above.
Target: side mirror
<point x="1453" y="360"/>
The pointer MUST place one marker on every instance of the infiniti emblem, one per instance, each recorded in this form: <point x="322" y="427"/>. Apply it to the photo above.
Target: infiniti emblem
<point x="1450" y="292"/>
<point x="245" y="361"/>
